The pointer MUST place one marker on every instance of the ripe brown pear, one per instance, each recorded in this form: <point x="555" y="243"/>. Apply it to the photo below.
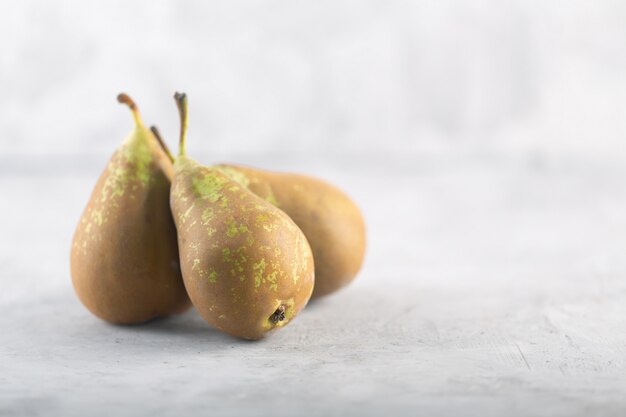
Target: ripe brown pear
<point x="330" y="220"/>
<point x="247" y="267"/>
<point x="124" y="258"/>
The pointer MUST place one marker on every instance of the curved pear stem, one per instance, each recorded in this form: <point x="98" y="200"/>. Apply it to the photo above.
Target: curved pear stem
<point x="159" y="139"/>
<point x="125" y="99"/>
<point x="181" y="102"/>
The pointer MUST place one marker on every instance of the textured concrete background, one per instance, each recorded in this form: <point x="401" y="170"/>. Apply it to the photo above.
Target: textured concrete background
<point x="332" y="76"/>
<point x="484" y="142"/>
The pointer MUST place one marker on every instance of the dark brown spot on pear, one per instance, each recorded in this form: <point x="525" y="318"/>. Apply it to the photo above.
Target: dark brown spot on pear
<point x="278" y="315"/>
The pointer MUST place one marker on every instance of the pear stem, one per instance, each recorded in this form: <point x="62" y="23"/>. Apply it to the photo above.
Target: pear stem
<point x="183" y="111"/>
<point x="159" y="139"/>
<point x="125" y="99"/>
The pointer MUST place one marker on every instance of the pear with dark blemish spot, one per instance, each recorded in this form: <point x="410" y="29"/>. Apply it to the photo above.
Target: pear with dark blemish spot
<point x="247" y="267"/>
<point x="330" y="220"/>
<point x="124" y="259"/>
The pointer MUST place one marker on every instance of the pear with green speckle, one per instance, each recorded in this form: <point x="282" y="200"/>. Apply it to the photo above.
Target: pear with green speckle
<point x="330" y="220"/>
<point x="124" y="258"/>
<point x="247" y="267"/>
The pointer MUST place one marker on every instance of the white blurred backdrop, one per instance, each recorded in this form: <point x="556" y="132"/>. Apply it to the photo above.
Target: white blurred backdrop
<point x="336" y="78"/>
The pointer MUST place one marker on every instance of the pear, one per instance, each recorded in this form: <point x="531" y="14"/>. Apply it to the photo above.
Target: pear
<point x="247" y="267"/>
<point x="124" y="257"/>
<point x="330" y="220"/>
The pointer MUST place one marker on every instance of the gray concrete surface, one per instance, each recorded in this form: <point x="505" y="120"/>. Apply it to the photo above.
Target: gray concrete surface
<point x="493" y="286"/>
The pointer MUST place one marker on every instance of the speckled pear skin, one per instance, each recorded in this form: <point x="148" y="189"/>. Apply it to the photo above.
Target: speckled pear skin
<point x="247" y="267"/>
<point x="124" y="257"/>
<point x="330" y="220"/>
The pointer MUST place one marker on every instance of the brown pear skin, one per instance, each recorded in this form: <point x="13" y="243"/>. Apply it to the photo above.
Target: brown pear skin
<point x="124" y="258"/>
<point x="330" y="220"/>
<point x="247" y="267"/>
